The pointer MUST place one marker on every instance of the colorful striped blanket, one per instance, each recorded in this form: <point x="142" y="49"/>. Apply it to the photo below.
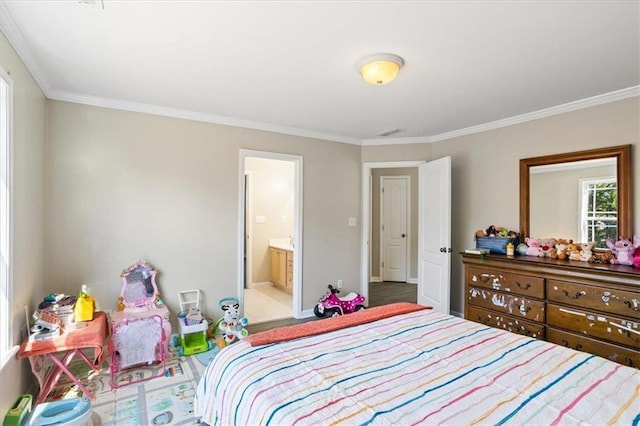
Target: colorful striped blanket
<point x="416" y="368"/>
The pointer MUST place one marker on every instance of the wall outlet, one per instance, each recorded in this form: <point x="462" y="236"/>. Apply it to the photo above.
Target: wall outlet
<point x="339" y="283"/>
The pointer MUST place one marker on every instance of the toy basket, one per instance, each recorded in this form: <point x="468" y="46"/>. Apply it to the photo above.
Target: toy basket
<point x="496" y="245"/>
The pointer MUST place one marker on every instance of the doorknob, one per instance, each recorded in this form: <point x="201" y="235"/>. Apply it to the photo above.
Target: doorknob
<point x="404" y="235"/>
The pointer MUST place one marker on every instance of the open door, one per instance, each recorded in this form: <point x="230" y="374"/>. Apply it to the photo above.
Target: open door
<point x="434" y="234"/>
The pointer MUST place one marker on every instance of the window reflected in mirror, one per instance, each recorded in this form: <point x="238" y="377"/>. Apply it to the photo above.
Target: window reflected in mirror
<point x="575" y="200"/>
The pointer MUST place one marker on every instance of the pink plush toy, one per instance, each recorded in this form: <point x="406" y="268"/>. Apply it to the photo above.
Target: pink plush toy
<point x="546" y="244"/>
<point x="533" y="248"/>
<point x="626" y="252"/>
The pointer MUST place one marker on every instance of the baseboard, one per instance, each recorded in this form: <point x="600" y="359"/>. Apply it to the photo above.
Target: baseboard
<point x="457" y="314"/>
<point x="307" y="313"/>
<point x="379" y="280"/>
<point x="261" y="284"/>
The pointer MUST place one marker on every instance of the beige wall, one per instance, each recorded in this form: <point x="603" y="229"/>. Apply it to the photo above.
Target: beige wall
<point x="273" y="197"/>
<point x="485" y="175"/>
<point x="412" y="172"/>
<point x="123" y="185"/>
<point x="29" y="120"/>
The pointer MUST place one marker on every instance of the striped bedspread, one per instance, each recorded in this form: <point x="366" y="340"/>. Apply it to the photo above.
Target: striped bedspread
<point x="417" y="368"/>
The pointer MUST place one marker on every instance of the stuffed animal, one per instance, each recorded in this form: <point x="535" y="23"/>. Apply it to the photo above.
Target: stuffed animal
<point x="602" y="257"/>
<point x="587" y="251"/>
<point x="231" y="326"/>
<point x="522" y="249"/>
<point x="546" y="244"/>
<point x="573" y="251"/>
<point x="561" y="248"/>
<point x="533" y="246"/>
<point x="636" y="258"/>
<point x="624" y="250"/>
<point x="491" y="231"/>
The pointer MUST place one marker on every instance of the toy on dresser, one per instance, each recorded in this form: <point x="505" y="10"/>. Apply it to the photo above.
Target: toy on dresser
<point x="140" y="324"/>
<point x="626" y="252"/>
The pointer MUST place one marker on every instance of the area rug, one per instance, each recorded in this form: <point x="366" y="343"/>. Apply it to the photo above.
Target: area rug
<point x="205" y="357"/>
<point x="163" y="400"/>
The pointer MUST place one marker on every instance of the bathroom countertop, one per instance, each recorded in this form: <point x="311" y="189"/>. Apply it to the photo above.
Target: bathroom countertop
<point x="281" y="243"/>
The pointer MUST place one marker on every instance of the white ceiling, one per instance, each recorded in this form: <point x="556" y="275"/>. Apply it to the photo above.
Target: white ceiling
<point x="289" y="66"/>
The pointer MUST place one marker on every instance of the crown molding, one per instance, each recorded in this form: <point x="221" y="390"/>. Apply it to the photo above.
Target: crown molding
<point x="617" y="95"/>
<point x="195" y="116"/>
<point x="14" y="35"/>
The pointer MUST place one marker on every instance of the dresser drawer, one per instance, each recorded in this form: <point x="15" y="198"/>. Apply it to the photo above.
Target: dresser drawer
<point x="505" y="322"/>
<point x="512" y="304"/>
<point x="619" y="302"/>
<point x="509" y="282"/>
<point x="594" y="324"/>
<point x="610" y="351"/>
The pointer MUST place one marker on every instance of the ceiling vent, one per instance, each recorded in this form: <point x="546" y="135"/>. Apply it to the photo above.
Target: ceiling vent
<point x="98" y="4"/>
<point x="388" y="132"/>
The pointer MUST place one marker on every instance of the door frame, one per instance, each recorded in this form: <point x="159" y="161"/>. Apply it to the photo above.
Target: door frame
<point x="297" y="237"/>
<point x="407" y="207"/>
<point x="365" y="246"/>
<point x="248" y="213"/>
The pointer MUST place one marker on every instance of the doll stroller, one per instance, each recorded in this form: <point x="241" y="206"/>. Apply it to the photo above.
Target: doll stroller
<point x="192" y="326"/>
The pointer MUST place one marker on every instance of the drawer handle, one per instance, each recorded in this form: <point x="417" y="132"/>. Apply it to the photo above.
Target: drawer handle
<point x="526" y="286"/>
<point x="485" y="278"/>
<point x="484" y="321"/>
<point x="565" y="343"/>
<point x="628" y="361"/>
<point x="578" y="294"/>
<point x="633" y="304"/>
<point x="629" y="335"/>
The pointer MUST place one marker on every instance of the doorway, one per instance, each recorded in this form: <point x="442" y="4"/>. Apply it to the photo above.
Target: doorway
<point x="431" y="253"/>
<point x="270" y="219"/>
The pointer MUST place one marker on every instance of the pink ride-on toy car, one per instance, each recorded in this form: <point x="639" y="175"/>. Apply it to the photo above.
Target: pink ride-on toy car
<point x="330" y="305"/>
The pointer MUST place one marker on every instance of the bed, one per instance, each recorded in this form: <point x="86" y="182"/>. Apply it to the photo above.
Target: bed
<point x="403" y="364"/>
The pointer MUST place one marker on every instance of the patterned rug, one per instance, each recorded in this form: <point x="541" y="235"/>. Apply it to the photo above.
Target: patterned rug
<point x="165" y="399"/>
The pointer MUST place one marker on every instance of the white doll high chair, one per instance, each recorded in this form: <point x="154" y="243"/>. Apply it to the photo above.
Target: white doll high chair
<point x="140" y="325"/>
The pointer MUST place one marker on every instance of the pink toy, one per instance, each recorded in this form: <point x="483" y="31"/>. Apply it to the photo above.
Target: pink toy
<point x="533" y="248"/>
<point x="546" y="244"/>
<point x="330" y="305"/>
<point x="625" y="251"/>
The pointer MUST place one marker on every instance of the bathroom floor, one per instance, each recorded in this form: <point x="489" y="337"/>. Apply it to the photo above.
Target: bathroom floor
<point x="264" y="302"/>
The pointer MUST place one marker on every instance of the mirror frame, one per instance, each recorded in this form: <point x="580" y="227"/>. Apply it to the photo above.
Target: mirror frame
<point x="621" y="153"/>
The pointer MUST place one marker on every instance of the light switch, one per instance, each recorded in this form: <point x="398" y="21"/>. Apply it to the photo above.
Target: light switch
<point x="283" y="219"/>
<point x="352" y="221"/>
<point x="261" y="219"/>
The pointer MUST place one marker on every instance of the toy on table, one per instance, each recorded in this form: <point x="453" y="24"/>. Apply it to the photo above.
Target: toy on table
<point x="191" y="324"/>
<point x="231" y="326"/>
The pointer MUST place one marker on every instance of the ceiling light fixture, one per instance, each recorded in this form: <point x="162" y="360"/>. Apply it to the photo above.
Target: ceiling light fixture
<point x="379" y="69"/>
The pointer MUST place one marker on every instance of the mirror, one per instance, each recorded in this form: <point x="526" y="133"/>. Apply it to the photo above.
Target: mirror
<point x="557" y="193"/>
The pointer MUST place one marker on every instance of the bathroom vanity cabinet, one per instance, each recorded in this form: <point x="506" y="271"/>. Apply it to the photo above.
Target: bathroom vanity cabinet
<point x="281" y="272"/>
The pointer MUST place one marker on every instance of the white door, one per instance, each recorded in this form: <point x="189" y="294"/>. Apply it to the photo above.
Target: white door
<point x="394" y="228"/>
<point x="434" y="234"/>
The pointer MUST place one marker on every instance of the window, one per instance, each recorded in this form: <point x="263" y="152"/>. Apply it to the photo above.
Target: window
<point x="599" y="210"/>
<point x="6" y="160"/>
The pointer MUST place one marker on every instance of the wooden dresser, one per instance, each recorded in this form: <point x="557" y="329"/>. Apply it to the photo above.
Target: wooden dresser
<point x="592" y="308"/>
